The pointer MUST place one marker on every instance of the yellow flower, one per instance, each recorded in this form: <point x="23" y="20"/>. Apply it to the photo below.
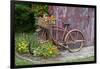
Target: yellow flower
<point x="50" y="52"/>
<point x="19" y="44"/>
<point x="19" y="48"/>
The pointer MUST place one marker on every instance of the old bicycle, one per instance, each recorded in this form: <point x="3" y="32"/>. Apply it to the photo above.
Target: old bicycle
<point x="71" y="39"/>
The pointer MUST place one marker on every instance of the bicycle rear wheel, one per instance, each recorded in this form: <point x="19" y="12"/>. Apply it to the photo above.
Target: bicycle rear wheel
<point x="74" y="40"/>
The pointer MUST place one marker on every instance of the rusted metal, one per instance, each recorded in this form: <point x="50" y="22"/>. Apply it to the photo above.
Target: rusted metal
<point x="66" y="32"/>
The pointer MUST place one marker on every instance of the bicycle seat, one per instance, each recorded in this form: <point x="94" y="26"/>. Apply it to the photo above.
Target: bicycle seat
<point x="67" y="24"/>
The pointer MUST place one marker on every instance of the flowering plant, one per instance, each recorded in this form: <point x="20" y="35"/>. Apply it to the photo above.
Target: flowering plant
<point x="22" y="45"/>
<point x="52" y="19"/>
<point x="46" y="20"/>
<point x="46" y="50"/>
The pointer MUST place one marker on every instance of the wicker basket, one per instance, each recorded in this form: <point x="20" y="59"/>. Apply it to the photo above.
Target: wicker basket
<point x="46" y="21"/>
<point x="42" y="22"/>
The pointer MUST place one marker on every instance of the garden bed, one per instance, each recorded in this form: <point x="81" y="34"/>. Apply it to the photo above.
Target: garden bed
<point x="86" y="54"/>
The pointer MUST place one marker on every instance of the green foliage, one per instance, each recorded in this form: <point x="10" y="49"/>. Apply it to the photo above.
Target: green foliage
<point x="24" y="18"/>
<point x="46" y="50"/>
<point x="22" y="44"/>
<point x="25" y="14"/>
<point x="34" y="43"/>
<point x="40" y="9"/>
<point x="19" y="61"/>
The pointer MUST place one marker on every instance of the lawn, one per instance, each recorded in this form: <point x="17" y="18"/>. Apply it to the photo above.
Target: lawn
<point x="19" y="61"/>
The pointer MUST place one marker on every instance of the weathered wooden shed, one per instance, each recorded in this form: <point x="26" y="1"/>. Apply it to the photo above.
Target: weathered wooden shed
<point x="79" y="18"/>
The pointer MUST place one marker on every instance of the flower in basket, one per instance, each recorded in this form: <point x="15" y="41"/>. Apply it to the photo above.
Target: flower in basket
<point x="52" y="19"/>
<point x="45" y="17"/>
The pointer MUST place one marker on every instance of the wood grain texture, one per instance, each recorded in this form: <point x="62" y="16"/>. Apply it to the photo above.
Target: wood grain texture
<point x="79" y="18"/>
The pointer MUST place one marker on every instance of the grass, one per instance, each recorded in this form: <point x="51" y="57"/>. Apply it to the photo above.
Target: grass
<point x="19" y="62"/>
<point x="30" y="37"/>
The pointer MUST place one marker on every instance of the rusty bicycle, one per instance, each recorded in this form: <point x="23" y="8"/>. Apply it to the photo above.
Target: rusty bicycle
<point x="71" y="39"/>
